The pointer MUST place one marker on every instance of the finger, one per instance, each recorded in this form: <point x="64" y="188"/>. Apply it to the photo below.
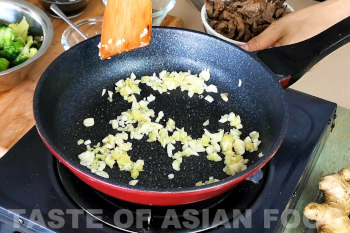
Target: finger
<point x="266" y="39"/>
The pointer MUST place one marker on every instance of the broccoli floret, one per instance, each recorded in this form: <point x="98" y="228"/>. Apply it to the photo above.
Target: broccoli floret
<point x="20" y="29"/>
<point x="26" y="53"/>
<point x="38" y="40"/>
<point x="6" y="36"/>
<point x="12" y="49"/>
<point x="4" y="64"/>
<point x="10" y="44"/>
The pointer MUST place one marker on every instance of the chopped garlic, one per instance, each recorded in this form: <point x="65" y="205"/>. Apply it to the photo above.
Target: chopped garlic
<point x="138" y="121"/>
<point x="235" y="164"/>
<point x="214" y="157"/>
<point x="114" y="124"/>
<point x="239" y="146"/>
<point x="170" y="149"/>
<point x="171" y="80"/>
<point x="223" y="118"/>
<point x="227" y="142"/>
<point x="210" y="181"/>
<point x="110" y="96"/>
<point x="249" y="146"/>
<point x="231" y="116"/>
<point x="86" y="158"/>
<point x="160" y="116"/>
<point x="224" y="96"/>
<point x="171" y="176"/>
<point x="209" y="98"/>
<point x="236" y="122"/>
<point x="87" y="142"/>
<point x="205" y="75"/>
<point x="88" y="122"/>
<point x="128" y="88"/>
<point x="144" y="33"/>
<point x="176" y="164"/>
<point x="103" y="174"/>
<point x="170" y="125"/>
<point x="254" y="135"/>
<point x="215" y="137"/>
<point x="143" y="44"/>
<point x="211" y="88"/>
<point x="81" y="141"/>
<point x="133" y="182"/>
<point x="260" y="155"/>
<point x="120" y="41"/>
<point x="151" y="98"/>
<point x="239" y="83"/>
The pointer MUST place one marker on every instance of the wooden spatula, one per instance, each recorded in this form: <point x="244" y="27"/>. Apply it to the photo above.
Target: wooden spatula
<point x="127" y="25"/>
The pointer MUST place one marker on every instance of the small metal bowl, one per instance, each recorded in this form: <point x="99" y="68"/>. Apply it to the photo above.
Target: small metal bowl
<point x="12" y="11"/>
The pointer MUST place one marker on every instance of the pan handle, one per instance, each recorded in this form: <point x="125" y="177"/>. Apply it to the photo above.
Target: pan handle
<point x="291" y="62"/>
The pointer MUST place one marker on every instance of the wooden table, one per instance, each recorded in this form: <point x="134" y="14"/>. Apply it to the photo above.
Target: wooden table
<point x="16" y="111"/>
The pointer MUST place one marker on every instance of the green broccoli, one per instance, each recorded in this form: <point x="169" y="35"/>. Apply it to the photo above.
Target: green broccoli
<point x="26" y="53"/>
<point x="4" y="64"/>
<point x="12" y="49"/>
<point x="38" y="40"/>
<point x="6" y="35"/>
<point x="10" y="44"/>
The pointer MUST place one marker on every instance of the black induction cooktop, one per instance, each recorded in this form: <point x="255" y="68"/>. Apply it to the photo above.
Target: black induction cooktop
<point x="38" y="194"/>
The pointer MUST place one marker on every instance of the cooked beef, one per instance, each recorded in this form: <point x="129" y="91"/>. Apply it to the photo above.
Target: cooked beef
<point x="226" y="28"/>
<point x="246" y="35"/>
<point x="240" y="27"/>
<point x="213" y="23"/>
<point x="226" y="15"/>
<point x="280" y="12"/>
<point x="243" y="19"/>
<point x="259" y="20"/>
<point x="209" y="5"/>
<point x="252" y="8"/>
<point x="269" y="13"/>
<point x="218" y="8"/>
<point x="259" y="29"/>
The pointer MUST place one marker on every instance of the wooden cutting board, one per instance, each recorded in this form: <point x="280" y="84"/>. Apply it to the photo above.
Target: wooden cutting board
<point x="16" y="111"/>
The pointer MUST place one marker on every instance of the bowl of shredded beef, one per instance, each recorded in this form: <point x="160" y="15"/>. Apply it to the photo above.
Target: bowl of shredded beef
<point x="238" y="21"/>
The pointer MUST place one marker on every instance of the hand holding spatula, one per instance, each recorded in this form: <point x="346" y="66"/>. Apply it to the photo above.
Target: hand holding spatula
<point x="127" y="25"/>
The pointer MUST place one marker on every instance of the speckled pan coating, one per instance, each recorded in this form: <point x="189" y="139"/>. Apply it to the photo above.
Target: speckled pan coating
<point x="70" y="91"/>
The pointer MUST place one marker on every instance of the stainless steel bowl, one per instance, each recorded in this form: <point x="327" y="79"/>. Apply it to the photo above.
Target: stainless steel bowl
<point x="12" y="11"/>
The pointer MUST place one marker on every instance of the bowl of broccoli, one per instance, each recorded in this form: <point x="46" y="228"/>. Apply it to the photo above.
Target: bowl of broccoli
<point x="25" y="35"/>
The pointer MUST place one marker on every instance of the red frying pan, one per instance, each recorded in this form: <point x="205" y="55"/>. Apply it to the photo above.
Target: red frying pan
<point x="70" y="91"/>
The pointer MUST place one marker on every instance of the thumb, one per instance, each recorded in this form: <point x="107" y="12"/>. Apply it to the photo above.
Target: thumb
<point x="264" y="40"/>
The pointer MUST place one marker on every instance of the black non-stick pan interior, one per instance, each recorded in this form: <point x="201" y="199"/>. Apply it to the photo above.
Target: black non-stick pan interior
<point x="70" y="91"/>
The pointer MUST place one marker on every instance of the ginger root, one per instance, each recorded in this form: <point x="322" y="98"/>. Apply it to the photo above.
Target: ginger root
<point x="332" y="216"/>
